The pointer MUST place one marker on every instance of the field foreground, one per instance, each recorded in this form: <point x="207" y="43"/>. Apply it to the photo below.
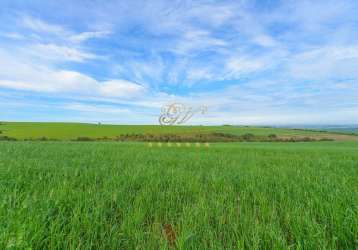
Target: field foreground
<point x="63" y="195"/>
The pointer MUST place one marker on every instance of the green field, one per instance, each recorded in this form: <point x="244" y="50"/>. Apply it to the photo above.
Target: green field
<point x="72" y="195"/>
<point x="71" y="131"/>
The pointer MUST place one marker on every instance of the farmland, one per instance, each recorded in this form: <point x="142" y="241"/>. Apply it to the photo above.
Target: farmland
<point x="71" y="131"/>
<point x="115" y="195"/>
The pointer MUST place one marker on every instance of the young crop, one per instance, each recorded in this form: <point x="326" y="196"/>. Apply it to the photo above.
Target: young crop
<point x="114" y="195"/>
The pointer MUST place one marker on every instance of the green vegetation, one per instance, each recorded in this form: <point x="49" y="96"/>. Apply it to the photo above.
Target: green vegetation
<point x="72" y="131"/>
<point x="208" y="137"/>
<point x="345" y="130"/>
<point x="78" y="195"/>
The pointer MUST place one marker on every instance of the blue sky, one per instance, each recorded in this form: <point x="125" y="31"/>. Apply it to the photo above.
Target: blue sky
<point x="250" y="62"/>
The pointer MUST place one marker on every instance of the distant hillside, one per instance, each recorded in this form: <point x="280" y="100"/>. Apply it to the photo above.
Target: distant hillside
<point x="73" y="131"/>
<point x="344" y="130"/>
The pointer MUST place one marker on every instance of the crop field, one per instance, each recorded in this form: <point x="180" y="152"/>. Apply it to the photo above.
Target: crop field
<point x="71" y="131"/>
<point x="114" y="195"/>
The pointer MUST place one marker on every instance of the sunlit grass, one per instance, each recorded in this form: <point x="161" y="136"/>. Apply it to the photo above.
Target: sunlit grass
<point x="131" y="196"/>
<point x="70" y="131"/>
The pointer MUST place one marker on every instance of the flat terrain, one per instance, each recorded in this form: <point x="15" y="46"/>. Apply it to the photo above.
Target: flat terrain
<point x="70" y="131"/>
<point x="78" y="195"/>
<point x="345" y="130"/>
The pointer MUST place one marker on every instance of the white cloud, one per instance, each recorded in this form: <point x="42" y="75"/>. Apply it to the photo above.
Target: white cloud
<point x="95" y="109"/>
<point x="24" y="74"/>
<point x="121" y="88"/>
<point x="213" y="14"/>
<point x="73" y="82"/>
<point x="41" y="26"/>
<point x="199" y="74"/>
<point x="196" y="40"/>
<point x="325" y="63"/>
<point x="84" y="36"/>
<point x="60" y="53"/>
<point x="140" y="70"/>
<point x="13" y="35"/>
<point x="238" y="66"/>
<point x="265" y="41"/>
<point x="47" y="80"/>
<point x="55" y="42"/>
<point x="62" y="32"/>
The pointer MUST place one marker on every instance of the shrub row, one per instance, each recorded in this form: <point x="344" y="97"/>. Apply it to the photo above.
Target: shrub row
<point x="213" y="137"/>
<point x="7" y="138"/>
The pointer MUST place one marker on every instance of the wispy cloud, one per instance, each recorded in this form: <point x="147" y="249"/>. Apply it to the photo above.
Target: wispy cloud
<point x="96" y="109"/>
<point x="60" y="53"/>
<point x="41" y="26"/>
<point x="13" y="35"/>
<point x="194" y="41"/>
<point x="56" y="42"/>
<point x="84" y="36"/>
<point x="249" y="61"/>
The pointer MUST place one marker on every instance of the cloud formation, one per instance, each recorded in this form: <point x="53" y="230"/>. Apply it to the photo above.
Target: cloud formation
<point x="257" y="62"/>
